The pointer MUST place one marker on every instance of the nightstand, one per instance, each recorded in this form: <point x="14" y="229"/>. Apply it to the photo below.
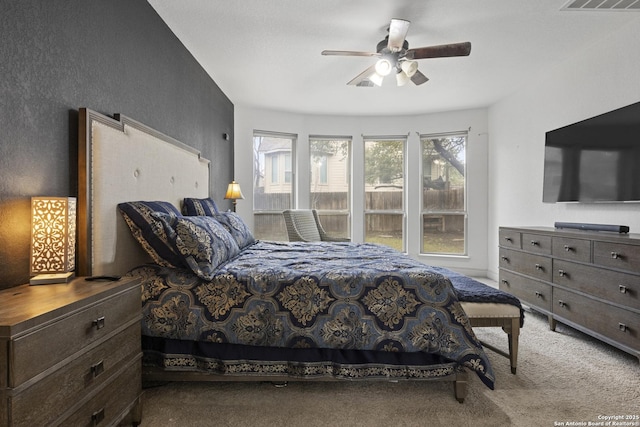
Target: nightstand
<point x="70" y="354"/>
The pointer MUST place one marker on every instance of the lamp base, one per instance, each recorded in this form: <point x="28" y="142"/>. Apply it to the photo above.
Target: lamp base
<point x="47" y="279"/>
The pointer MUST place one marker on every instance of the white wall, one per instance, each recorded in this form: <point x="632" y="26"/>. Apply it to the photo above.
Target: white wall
<point x="593" y="81"/>
<point x="475" y="121"/>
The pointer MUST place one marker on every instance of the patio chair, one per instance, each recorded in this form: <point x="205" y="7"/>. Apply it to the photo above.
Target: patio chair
<point x="303" y="225"/>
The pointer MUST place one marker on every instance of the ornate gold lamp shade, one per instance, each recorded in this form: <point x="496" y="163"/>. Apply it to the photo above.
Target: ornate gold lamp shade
<point x="53" y="239"/>
<point x="234" y="193"/>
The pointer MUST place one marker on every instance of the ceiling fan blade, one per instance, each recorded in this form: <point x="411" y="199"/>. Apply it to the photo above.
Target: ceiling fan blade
<point x="418" y="78"/>
<point x="362" y="79"/>
<point x="441" y="51"/>
<point x="348" y="53"/>
<point x="397" y="33"/>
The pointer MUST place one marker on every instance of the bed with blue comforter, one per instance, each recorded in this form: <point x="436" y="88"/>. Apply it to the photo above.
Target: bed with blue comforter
<point x="344" y="310"/>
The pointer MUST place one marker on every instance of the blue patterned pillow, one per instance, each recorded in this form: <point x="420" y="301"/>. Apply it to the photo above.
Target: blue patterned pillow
<point x="202" y="242"/>
<point x="199" y="207"/>
<point x="150" y="232"/>
<point x="237" y="228"/>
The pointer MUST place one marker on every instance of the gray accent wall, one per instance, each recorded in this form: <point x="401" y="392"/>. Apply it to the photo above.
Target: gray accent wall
<point x="113" y="56"/>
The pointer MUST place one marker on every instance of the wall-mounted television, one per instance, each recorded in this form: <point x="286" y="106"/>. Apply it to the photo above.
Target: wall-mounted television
<point x="594" y="160"/>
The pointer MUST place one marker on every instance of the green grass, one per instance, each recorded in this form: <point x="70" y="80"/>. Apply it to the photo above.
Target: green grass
<point x="435" y="243"/>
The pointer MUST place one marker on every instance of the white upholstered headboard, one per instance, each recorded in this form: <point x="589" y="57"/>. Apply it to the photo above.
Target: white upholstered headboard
<point x="121" y="160"/>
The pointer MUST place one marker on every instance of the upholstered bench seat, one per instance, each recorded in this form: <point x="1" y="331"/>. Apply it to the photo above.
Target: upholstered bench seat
<point x="506" y="316"/>
<point x="487" y="306"/>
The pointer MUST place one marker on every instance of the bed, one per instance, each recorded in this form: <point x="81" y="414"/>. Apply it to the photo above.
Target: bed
<point x="268" y="310"/>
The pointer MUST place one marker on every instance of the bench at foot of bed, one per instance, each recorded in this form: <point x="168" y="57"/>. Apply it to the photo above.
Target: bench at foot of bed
<point x="506" y="316"/>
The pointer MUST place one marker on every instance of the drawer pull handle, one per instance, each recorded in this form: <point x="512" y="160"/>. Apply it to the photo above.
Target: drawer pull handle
<point x="505" y="259"/>
<point x="505" y="282"/>
<point x="568" y="248"/>
<point x="623" y="289"/>
<point x="508" y="239"/>
<point x="539" y="295"/>
<point x="623" y="327"/>
<point x="539" y="267"/>
<point x="562" y="273"/>
<point x="562" y="303"/>
<point x="99" y="323"/>
<point x="97" y="368"/>
<point x="615" y="255"/>
<point x="534" y="243"/>
<point x="97" y="417"/>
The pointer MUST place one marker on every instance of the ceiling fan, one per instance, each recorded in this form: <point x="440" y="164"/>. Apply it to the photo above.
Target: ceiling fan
<point x="395" y="55"/>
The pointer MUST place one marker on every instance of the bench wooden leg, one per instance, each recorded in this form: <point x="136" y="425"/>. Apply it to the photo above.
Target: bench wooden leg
<point x="513" y="343"/>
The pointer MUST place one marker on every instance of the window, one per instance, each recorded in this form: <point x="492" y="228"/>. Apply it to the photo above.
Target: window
<point x="384" y="168"/>
<point x="330" y="166"/>
<point x="444" y="214"/>
<point x="273" y="182"/>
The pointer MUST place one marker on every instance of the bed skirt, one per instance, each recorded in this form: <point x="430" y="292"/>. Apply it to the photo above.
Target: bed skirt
<point x="301" y="363"/>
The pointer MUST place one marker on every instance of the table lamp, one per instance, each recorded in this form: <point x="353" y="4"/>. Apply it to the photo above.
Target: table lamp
<point x="53" y="239"/>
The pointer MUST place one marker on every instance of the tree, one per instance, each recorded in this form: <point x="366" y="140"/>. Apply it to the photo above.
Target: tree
<point x="449" y="148"/>
<point x="384" y="162"/>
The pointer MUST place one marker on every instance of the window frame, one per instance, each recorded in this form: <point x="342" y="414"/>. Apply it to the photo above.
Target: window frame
<point x="464" y="212"/>
<point x="402" y="212"/>
<point x="348" y="182"/>
<point x="281" y="174"/>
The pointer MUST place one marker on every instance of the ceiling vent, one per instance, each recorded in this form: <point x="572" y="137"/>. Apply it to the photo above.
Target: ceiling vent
<point x="603" y="5"/>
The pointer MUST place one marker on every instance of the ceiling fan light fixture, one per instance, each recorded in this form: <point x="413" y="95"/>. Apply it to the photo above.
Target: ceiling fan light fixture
<point x="409" y="67"/>
<point x="376" y="79"/>
<point x="402" y="78"/>
<point x="383" y="67"/>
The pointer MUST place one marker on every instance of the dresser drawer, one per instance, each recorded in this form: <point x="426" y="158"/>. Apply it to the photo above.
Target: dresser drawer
<point x="510" y="239"/>
<point x="35" y="352"/>
<point x="536" y="266"/>
<point x="531" y="292"/>
<point x="612" y="322"/>
<point x="572" y="249"/>
<point x="617" y="287"/>
<point x="536" y="243"/>
<point x="617" y="255"/>
<point x="78" y="378"/>
<point x="112" y="402"/>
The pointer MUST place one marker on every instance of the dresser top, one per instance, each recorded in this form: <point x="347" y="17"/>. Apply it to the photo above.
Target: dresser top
<point x="23" y="307"/>
<point x="603" y="236"/>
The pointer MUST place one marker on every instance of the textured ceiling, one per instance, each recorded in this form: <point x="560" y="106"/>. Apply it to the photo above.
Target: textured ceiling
<point x="266" y="54"/>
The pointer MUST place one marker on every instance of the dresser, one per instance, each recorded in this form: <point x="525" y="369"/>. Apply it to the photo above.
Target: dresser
<point x="587" y="280"/>
<point x="71" y="354"/>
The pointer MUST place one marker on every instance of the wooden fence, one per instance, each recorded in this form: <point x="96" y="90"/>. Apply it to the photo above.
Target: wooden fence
<point x="270" y="225"/>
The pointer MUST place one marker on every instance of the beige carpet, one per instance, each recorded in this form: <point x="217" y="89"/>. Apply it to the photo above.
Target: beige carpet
<point x="563" y="377"/>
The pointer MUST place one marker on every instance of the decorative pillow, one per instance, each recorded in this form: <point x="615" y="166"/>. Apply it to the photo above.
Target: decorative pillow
<point x="202" y="242"/>
<point x="237" y="228"/>
<point x="150" y="232"/>
<point x="199" y="207"/>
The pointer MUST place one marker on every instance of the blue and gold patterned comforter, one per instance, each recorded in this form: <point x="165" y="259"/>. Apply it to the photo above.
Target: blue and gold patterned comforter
<point x="315" y="295"/>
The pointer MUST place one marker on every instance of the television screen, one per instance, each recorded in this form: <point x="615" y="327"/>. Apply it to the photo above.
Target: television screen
<point x="595" y="160"/>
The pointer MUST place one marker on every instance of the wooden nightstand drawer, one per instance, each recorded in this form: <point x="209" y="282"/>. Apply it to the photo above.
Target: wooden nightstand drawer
<point x="536" y="243"/>
<point x="617" y="255"/>
<point x="532" y="292"/>
<point x="112" y="402"/>
<point x="614" y="286"/>
<point x="510" y="239"/>
<point x="536" y="266"/>
<point x="573" y="249"/>
<point x="64" y="345"/>
<point x="615" y="323"/>
<point x="79" y="378"/>
<point x="41" y="349"/>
